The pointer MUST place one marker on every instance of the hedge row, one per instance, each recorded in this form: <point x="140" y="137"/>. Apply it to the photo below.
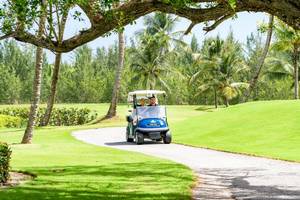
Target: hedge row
<point x="10" y="121"/>
<point x="59" y="117"/>
<point x="5" y="153"/>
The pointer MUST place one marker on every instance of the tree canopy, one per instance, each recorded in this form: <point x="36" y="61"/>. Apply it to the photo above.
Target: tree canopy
<point x="18" y="17"/>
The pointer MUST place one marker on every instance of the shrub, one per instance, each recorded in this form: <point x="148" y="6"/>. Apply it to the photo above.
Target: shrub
<point x="5" y="153"/>
<point x="10" y="121"/>
<point x="71" y="116"/>
<point x="59" y="116"/>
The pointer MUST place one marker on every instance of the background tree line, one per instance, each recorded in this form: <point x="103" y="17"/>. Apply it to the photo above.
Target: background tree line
<point x="216" y="71"/>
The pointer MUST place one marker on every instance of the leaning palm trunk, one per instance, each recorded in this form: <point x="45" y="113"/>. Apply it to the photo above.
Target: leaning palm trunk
<point x="51" y="98"/>
<point x="27" y="138"/>
<point x="296" y="71"/>
<point x="254" y="80"/>
<point x="112" y="111"/>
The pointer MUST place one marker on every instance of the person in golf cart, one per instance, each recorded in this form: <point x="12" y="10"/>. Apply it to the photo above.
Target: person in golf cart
<point x="147" y="121"/>
<point x="142" y="102"/>
<point x="153" y="101"/>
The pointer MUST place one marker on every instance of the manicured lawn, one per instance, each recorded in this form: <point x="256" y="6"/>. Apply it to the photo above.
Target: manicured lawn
<point x="69" y="169"/>
<point x="269" y="129"/>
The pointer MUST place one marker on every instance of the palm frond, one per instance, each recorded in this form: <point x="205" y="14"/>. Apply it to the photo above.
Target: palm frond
<point x="195" y="77"/>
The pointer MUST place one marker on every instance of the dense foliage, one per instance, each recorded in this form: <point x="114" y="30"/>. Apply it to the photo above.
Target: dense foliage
<point x="5" y="153"/>
<point x="216" y="71"/>
<point x="10" y="121"/>
<point x="59" y="117"/>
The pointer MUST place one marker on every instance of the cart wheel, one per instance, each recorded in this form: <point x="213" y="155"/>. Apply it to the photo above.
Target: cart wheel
<point x="139" y="138"/>
<point x="128" y="139"/>
<point x="167" y="138"/>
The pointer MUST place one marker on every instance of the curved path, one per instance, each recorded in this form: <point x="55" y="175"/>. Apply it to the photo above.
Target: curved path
<point x="221" y="175"/>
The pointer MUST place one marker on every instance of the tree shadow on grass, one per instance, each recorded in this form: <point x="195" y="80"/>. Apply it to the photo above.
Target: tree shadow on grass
<point x="206" y="108"/>
<point x="113" y="181"/>
<point x="58" y="194"/>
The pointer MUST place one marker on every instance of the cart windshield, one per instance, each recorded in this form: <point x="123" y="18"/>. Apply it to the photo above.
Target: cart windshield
<point x="151" y="112"/>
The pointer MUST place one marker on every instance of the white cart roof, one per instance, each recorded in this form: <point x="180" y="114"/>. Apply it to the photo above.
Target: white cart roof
<point x="144" y="94"/>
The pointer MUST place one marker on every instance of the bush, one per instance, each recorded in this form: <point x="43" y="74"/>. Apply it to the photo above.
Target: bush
<point x="5" y="153"/>
<point x="59" y="116"/>
<point x="10" y="121"/>
<point x="71" y="116"/>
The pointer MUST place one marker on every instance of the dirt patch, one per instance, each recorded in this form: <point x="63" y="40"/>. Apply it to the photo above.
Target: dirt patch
<point x="17" y="178"/>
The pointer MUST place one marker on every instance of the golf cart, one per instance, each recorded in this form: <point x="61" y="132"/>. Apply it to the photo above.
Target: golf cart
<point x="147" y="121"/>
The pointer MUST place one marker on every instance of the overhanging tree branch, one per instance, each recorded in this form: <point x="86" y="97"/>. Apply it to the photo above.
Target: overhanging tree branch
<point x="217" y="23"/>
<point x="189" y="29"/>
<point x="104" y="22"/>
<point x="6" y="36"/>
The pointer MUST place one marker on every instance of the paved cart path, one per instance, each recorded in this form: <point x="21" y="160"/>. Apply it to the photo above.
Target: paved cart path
<point x="221" y="175"/>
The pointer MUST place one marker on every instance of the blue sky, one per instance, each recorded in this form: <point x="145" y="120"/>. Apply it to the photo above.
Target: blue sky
<point x="242" y="26"/>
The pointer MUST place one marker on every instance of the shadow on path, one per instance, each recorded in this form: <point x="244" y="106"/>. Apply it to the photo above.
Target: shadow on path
<point x="146" y="142"/>
<point x="239" y="186"/>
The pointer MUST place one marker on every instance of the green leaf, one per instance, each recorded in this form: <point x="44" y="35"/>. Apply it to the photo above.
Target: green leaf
<point x="232" y="3"/>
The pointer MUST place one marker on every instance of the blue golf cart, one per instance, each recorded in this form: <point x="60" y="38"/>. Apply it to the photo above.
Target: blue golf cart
<point x="147" y="120"/>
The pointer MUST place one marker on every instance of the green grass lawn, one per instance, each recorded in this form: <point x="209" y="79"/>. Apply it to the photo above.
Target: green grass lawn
<point x="69" y="169"/>
<point x="270" y="129"/>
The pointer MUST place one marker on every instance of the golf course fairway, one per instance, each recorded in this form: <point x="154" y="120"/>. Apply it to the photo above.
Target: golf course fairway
<point x="266" y="128"/>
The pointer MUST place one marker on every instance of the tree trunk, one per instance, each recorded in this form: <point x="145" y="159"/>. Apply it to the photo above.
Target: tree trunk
<point x="254" y="80"/>
<point x="216" y="98"/>
<point x="51" y="98"/>
<point x="152" y="86"/>
<point x="112" y="111"/>
<point x="296" y="72"/>
<point x="27" y="138"/>
<point x="226" y="102"/>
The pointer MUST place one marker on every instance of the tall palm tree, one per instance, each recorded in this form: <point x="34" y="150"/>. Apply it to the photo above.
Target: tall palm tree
<point x="149" y="60"/>
<point x="57" y="62"/>
<point x="27" y="137"/>
<point x="279" y="67"/>
<point x="288" y="40"/>
<point x="112" y="111"/>
<point x="221" y="62"/>
<point x="261" y="61"/>
<point x="149" y="69"/>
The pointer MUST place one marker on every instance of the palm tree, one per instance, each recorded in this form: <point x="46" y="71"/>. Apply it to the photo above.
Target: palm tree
<point x="159" y="22"/>
<point x="112" y="111"/>
<point x="261" y="61"/>
<point x="57" y="62"/>
<point x="149" y="60"/>
<point x="27" y="137"/>
<point x="279" y="67"/>
<point x="288" y="40"/>
<point x="221" y="62"/>
<point x="149" y="68"/>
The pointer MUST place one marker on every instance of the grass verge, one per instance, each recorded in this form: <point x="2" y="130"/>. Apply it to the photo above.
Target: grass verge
<point x="69" y="169"/>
